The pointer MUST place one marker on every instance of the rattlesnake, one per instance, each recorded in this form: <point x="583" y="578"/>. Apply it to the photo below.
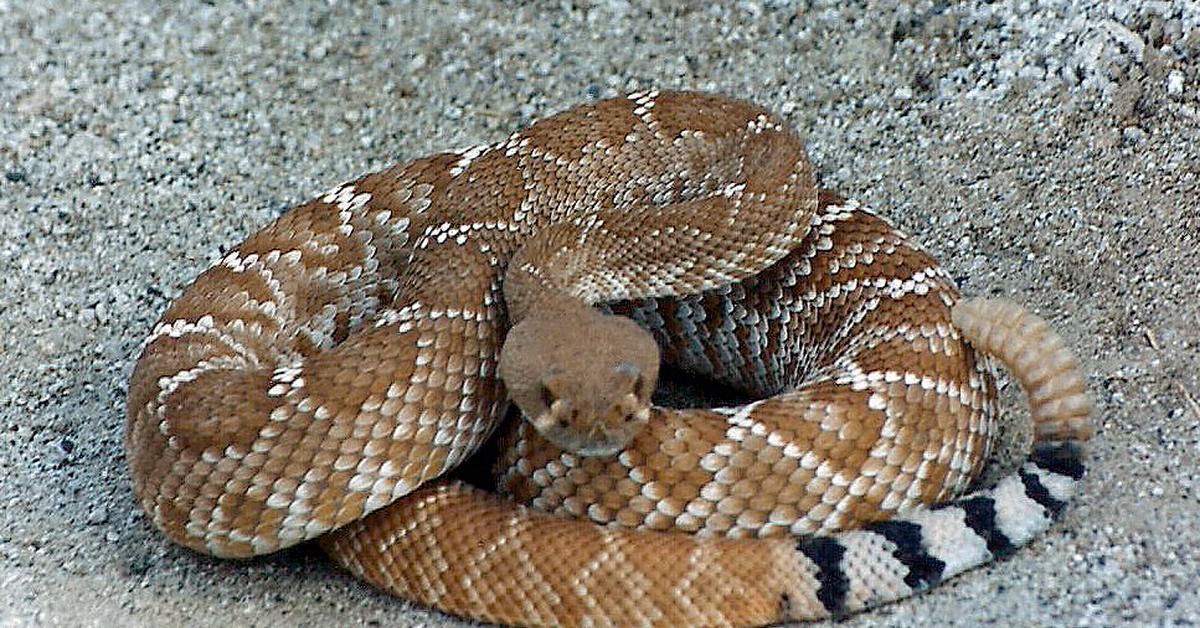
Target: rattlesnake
<point x="317" y="381"/>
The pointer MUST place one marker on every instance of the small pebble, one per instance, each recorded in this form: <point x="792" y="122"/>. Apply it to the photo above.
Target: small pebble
<point x="1175" y="83"/>
<point x="204" y="43"/>
<point x="97" y="516"/>
<point x="1133" y="134"/>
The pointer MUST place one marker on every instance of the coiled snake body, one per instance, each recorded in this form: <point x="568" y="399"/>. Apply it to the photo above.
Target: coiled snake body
<point x="318" y="380"/>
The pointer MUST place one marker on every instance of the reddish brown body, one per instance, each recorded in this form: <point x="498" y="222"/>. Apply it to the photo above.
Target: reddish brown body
<point x="346" y="355"/>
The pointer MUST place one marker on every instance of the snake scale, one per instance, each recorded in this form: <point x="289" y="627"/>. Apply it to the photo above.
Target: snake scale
<point x="323" y="379"/>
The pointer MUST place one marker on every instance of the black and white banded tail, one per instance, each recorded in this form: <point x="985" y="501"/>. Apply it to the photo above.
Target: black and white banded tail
<point x="890" y="560"/>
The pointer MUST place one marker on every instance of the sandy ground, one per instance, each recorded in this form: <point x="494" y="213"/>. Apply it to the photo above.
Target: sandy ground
<point x="1046" y="151"/>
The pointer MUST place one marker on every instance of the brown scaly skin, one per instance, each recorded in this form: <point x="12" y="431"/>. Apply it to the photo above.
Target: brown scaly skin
<point x="318" y="380"/>
<point x="799" y="379"/>
<point x="346" y="353"/>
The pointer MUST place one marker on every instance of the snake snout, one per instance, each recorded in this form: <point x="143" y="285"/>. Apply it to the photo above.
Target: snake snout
<point x="585" y="430"/>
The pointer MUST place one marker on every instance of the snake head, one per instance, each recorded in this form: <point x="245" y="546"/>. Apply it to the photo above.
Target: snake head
<point x="584" y="383"/>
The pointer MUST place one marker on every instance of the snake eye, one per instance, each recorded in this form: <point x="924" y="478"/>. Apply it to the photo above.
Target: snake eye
<point x="547" y="396"/>
<point x="639" y="386"/>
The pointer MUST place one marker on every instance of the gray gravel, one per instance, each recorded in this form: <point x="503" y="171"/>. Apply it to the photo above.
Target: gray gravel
<point x="1047" y="151"/>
